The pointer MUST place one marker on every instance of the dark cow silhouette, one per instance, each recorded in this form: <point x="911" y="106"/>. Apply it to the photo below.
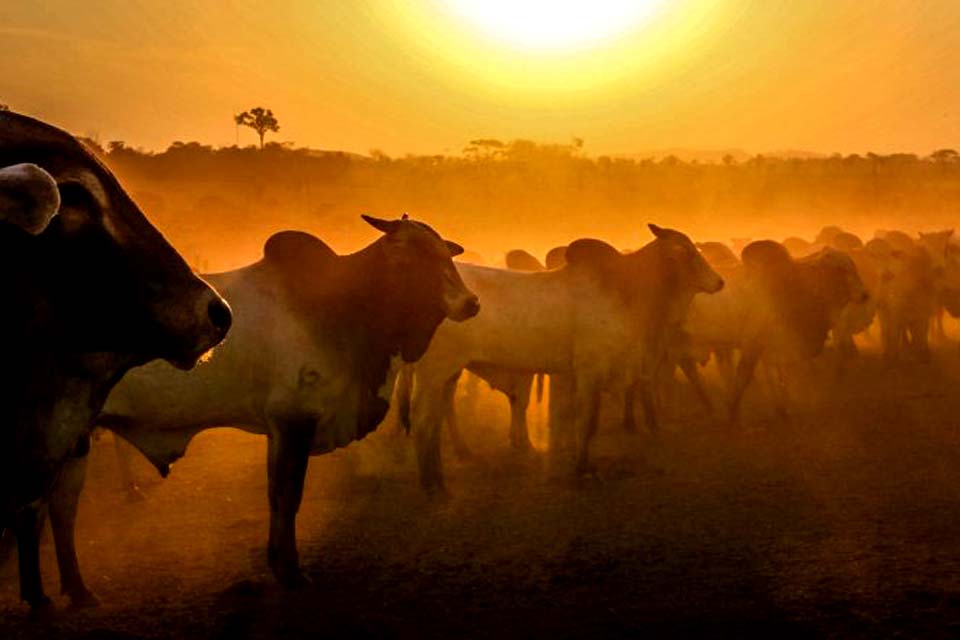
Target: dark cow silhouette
<point x="96" y="292"/>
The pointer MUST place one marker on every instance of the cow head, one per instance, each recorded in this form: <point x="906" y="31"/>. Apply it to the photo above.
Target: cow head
<point x="838" y="281"/>
<point x="936" y="244"/>
<point x="427" y="287"/>
<point x="111" y="281"/>
<point x="681" y="258"/>
<point x="658" y="281"/>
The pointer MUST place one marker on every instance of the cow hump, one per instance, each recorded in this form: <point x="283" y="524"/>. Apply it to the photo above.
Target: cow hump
<point x="591" y="253"/>
<point x="296" y="250"/>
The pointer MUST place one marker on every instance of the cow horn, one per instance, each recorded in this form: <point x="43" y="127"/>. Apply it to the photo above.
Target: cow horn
<point x="655" y="230"/>
<point x="386" y="226"/>
<point x="28" y="197"/>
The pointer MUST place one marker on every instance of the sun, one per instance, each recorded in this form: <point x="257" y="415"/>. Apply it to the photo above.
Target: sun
<point x="554" y="25"/>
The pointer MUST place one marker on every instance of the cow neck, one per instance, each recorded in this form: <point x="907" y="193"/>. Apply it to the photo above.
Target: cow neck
<point x="366" y="290"/>
<point x="660" y="298"/>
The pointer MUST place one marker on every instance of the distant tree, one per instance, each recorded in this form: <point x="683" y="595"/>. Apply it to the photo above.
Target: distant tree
<point x="260" y="120"/>
<point x="4" y="107"/>
<point x="945" y="156"/>
<point x="729" y="160"/>
<point x="116" y="146"/>
<point x="484" y="148"/>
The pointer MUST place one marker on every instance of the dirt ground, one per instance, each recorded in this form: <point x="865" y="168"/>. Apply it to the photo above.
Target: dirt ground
<point x="841" y="523"/>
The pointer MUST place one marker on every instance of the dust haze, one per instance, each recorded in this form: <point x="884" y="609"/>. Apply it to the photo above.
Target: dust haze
<point x="839" y="518"/>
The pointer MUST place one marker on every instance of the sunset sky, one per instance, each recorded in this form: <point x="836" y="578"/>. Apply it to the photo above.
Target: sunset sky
<point x="425" y="76"/>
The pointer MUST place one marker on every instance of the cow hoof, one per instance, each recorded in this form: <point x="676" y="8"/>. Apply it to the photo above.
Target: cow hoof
<point x="437" y="494"/>
<point x="294" y="579"/>
<point x="85" y="599"/>
<point x="522" y="446"/>
<point x="41" y="607"/>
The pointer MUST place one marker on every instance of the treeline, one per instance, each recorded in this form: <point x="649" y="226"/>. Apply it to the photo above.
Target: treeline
<point x="497" y="195"/>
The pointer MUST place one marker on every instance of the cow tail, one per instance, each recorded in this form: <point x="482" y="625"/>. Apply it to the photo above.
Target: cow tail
<point x="404" y="393"/>
<point x="540" y="388"/>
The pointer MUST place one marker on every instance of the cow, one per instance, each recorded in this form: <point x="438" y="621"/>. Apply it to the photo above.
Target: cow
<point x="584" y="321"/>
<point x="513" y="384"/>
<point x="906" y="303"/>
<point x="777" y="308"/>
<point x="556" y="257"/>
<point x="719" y="256"/>
<point x="800" y="247"/>
<point x="938" y="245"/>
<point x="311" y="362"/>
<point x="520" y="260"/>
<point x="90" y="293"/>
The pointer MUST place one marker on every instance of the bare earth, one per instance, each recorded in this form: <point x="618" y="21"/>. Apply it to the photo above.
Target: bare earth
<point x="842" y="523"/>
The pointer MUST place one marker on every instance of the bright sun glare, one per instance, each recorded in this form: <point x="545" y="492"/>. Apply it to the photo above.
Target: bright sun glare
<point x="554" y="24"/>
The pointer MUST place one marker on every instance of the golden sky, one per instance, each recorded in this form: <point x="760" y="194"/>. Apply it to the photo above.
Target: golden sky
<point x="415" y="76"/>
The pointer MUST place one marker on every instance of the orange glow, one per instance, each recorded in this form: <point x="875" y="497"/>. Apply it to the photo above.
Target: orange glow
<point x="419" y="76"/>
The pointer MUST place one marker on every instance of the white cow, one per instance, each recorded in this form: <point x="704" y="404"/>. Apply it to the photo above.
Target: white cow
<point x="310" y="363"/>
<point x="602" y="314"/>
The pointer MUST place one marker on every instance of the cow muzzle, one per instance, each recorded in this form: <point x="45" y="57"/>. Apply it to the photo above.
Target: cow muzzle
<point x="464" y="309"/>
<point x="715" y="285"/>
<point x="210" y="320"/>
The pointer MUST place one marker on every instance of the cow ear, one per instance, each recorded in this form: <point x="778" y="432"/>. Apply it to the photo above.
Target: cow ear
<point x="588" y="252"/>
<point x="455" y="249"/>
<point x="29" y="197"/>
<point x="296" y="250"/>
<point x="386" y="226"/>
<point x="656" y="231"/>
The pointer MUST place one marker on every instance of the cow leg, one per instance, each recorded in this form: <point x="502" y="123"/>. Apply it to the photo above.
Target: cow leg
<point x="745" y="369"/>
<point x="724" y="358"/>
<point x="288" y="454"/>
<point x="429" y="408"/>
<point x="649" y="402"/>
<point x="629" y="408"/>
<point x="63" y="517"/>
<point x="27" y="525"/>
<point x="460" y="448"/>
<point x="891" y="336"/>
<point x="920" y="330"/>
<point x="778" y="386"/>
<point x="586" y="410"/>
<point x="519" y="401"/>
<point x="559" y="417"/>
<point x="692" y="372"/>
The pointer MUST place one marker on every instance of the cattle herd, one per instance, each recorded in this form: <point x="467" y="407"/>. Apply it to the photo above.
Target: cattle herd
<point x="105" y="325"/>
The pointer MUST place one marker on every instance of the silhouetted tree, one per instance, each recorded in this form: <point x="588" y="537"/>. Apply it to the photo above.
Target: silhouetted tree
<point x="260" y="120"/>
<point x="4" y="107"/>
<point x="945" y="156"/>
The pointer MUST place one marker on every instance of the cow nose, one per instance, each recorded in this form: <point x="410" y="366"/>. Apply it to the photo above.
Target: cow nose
<point x="471" y="307"/>
<point x="220" y="315"/>
<point x="720" y="284"/>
